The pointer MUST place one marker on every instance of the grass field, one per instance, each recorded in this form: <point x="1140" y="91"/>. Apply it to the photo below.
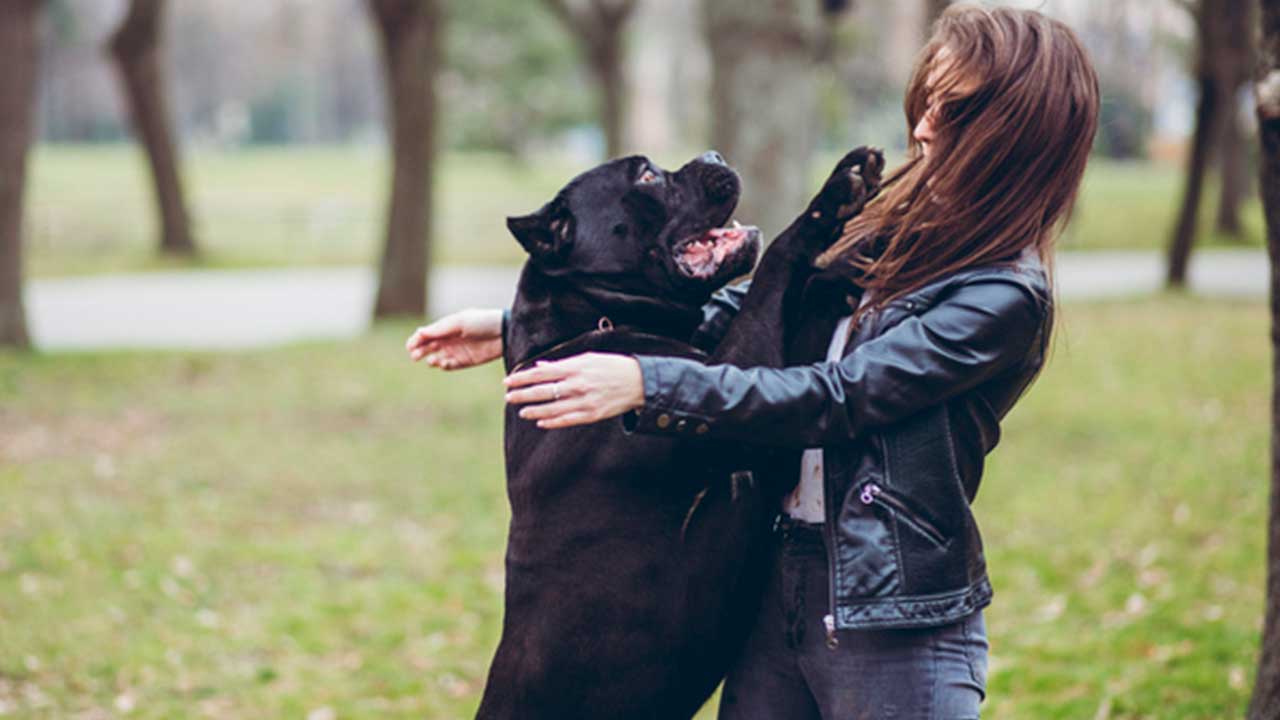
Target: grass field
<point x="320" y="528"/>
<point x="90" y="206"/>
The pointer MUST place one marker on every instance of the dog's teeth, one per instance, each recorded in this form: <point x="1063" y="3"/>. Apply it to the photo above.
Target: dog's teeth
<point x="736" y="224"/>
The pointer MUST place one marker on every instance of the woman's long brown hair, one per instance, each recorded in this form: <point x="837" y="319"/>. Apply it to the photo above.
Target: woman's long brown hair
<point x="1015" y="114"/>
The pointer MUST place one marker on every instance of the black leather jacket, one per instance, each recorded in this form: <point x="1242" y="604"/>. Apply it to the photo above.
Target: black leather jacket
<point x="905" y="419"/>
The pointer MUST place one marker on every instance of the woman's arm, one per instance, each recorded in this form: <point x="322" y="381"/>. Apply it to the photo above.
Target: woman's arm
<point x="461" y="340"/>
<point x="476" y="336"/>
<point x="983" y="328"/>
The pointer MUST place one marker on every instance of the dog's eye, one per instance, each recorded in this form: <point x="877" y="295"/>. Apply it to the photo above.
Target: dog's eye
<point x="647" y="177"/>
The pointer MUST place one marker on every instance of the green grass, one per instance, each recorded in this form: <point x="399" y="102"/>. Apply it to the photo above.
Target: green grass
<point x="1134" y="206"/>
<point x="267" y="533"/>
<point x="90" y="207"/>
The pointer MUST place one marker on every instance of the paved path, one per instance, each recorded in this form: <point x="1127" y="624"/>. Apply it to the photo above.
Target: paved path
<point x="238" y="309"/>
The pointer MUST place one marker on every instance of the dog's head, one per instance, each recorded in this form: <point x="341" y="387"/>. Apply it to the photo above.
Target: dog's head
<point x="632" y="227"/>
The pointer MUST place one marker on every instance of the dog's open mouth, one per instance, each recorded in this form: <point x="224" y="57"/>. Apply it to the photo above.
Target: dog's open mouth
<point x="702" y="256"/>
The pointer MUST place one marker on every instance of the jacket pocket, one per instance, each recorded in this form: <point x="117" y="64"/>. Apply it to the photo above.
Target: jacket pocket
<point x="921" y="484"/>
<point x="873" y="493"/>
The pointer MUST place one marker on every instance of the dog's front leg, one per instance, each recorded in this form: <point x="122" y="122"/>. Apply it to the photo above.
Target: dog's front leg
<point x="756" y="335"/>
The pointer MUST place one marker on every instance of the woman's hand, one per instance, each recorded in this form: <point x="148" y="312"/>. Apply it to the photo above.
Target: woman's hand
<point x="578" y="390"/>
<point x="464" y="339"/>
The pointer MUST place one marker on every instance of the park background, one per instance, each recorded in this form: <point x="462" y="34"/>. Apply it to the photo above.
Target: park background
<point x="226" y="492"/>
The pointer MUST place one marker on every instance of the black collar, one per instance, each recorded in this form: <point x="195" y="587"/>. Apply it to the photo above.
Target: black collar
<point x="552" y="311"/>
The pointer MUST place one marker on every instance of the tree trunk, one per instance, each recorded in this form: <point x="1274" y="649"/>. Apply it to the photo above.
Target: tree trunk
<point x="410" y="35"/>
<point x="763" y="94"/>
<point x="609" y="71"/>
<point x="135" y="46"/>
<point x="1209" y="114"/>
<point x="19" y="56"/>
<point x="1233" y="156"/>
<point x="1184" y="234"/>
<point x="1238" y="65"/>
<point x="599" y="26"/>
<point x="1265" y="703"/>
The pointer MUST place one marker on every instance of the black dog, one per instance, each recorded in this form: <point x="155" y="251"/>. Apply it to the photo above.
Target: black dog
<point x="629" y="585"/>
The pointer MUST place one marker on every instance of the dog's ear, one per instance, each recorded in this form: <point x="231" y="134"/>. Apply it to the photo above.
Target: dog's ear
<point x="546" y="234"/>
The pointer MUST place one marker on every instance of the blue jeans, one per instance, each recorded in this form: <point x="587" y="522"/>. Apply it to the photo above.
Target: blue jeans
<point x="788" y="671"/>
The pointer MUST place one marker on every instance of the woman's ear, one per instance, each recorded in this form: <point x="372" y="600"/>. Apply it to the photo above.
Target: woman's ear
<point x="546" y="234"/>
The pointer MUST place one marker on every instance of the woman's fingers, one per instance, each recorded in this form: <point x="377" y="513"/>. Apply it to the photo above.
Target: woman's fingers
<point x="540" y="373"/>
<point x="447" y="326"/>
<point x="443" y="361"/>
<point x="430" y="347"/>
<point x="552" y="410"/>
<point x="567" y="420"/>
<point x="542" y="392"/>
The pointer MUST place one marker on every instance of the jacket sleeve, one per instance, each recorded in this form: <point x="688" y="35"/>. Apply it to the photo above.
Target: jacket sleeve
<point x="980" y="330"/>
<point x="717" y="314"/>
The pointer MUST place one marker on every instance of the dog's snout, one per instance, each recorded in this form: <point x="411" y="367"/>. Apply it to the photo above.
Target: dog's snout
<point x="721" y="186"/>
<point x="709" y="172"/>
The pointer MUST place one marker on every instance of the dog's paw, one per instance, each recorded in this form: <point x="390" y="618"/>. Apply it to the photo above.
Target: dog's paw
<point x="853" y="182"/>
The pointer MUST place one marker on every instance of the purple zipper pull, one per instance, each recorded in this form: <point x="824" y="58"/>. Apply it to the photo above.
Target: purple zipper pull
<point x="869" y="492"/>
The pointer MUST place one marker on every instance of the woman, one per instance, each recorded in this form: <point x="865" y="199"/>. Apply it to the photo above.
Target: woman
<point x="940" y="319"/>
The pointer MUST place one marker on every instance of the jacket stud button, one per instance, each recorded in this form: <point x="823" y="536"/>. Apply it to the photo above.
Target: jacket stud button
<point x="681" y="425"/>
<point x="664" y="420"/>
<point x="702" y="429"/>
<point x="911" y="305"/>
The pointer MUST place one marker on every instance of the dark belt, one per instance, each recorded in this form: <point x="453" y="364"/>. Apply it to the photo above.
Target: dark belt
<point x="795" y="530"/>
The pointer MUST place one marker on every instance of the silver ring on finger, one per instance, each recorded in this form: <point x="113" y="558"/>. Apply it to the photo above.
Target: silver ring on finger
<point x="555" y="391"/>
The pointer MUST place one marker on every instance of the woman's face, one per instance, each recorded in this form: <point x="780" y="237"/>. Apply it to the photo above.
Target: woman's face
<point x="923" y="131"/>
<point x="926" y="127"/>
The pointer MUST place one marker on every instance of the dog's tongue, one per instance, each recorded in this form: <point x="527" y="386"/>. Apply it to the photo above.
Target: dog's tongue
<point x="706" y="254"/>
<point x="738" y="232"/>
<point x="724" y="240"/>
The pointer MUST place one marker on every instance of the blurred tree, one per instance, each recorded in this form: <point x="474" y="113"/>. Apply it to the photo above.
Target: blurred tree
<point x="1213" y="21"/>
<point x="598" y="26"/>
<point x="1124" y="123"/>
<point x="764" y="58"/>
<point x="932" y="11"/>
<point x="1233" y="152"/>
<point x="511" y="76"/>
<point x="76" y="101"/>
<point x="136" y="49"/>
<point x="874" y="53"/>
<point x="309" y="72"/>
<point x="1265" y="703"/>
<point x="410" y="32"/>
<point x="19" y="57"/>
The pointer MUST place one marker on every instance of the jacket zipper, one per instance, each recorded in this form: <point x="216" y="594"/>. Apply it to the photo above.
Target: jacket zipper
<point x="829" y="620"/>
<point x="865" y="328"/>
<point x="872" y="492"/>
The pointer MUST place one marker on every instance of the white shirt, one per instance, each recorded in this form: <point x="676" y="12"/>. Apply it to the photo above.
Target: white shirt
<point x="805" y="502"/>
